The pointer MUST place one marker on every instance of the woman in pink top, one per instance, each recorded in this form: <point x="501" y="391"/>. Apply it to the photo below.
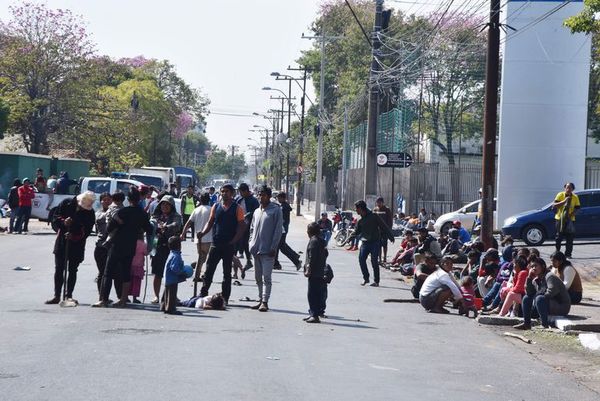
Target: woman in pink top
<point x="517" y="291"/>
<point x="137" y="268"/>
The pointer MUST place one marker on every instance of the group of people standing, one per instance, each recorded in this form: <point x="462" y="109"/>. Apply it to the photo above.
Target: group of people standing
<point x="255" y="227"/>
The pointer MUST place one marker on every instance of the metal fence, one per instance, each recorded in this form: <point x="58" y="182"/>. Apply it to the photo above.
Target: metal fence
<point x="438" y="188"/>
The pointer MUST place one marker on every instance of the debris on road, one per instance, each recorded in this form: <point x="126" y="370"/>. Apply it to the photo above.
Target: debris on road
<point x="518" y="336"/>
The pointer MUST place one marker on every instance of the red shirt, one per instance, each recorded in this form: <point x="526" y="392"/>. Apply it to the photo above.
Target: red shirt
<point x="520" y="281"/>
<point x="26" y="195"/>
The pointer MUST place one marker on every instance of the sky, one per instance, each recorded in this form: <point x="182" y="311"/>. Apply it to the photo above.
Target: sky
<point x="226" y="48"/>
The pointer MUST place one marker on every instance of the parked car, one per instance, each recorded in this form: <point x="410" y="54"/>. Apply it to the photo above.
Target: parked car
<point x="44" y="205"/>
<point x="466" y="215"/>
<point x="536" y="226"/>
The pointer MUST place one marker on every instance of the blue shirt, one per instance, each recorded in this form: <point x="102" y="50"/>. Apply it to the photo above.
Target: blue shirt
<point x="213" y="199"/>
<point x="463" y="235"/>
<point x="174" y="268"/>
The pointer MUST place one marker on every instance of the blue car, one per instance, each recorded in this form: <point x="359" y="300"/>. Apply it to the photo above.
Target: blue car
<point x="536" y="226"/>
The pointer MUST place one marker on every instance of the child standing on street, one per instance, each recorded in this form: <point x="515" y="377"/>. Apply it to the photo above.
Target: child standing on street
<point x="173" y="276"/>
<point x="137" y="268"/>
<point x="468" y="293"/>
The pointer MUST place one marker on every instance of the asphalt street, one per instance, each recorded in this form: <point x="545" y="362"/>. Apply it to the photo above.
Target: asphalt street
<point x="366" y="349"/>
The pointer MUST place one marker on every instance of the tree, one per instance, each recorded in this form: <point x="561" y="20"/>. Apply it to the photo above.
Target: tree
<point x="43" y="61"/>
<point x="587" y="20"/>
<point x="220" y="163"/>
<point x="4" y="112"/>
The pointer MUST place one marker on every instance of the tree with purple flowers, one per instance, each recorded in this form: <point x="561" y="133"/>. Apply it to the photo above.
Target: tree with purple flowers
<point x="43" y="62"/>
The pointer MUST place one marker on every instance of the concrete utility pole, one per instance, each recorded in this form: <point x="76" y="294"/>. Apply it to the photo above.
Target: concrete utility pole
<point x="489" y="124"/>
<point x="344" y="157"/>
<point x="321" y="130"/>
<point x="370" y="180"/>
<point x="300" y="167"/>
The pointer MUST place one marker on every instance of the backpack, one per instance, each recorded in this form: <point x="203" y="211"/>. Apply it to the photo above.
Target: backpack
<point x="328" y="274"/>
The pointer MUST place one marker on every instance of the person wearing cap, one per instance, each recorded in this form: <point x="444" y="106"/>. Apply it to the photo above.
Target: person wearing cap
<point x="385" y="214"/>
<point x="266" y="230"/>
<point x="74" y="221"/>
<point x="125" y="227"/>
<point x="326" y="227"/>
<point x="369" y="229"/>
<point x="439" y="287"/>
<point x="463" y="234"/>
<point x="248" y="203"/>
<point x="226" y="221"/>
<point x="168" y="224"/>
<point x="26" y="196"/>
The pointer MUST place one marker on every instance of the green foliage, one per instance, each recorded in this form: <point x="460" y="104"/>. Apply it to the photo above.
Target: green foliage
<point x="587" y="20"/>
<point x="4" y="112"/>
<point x="65" y="98"/>
<point x="220" y="163"/>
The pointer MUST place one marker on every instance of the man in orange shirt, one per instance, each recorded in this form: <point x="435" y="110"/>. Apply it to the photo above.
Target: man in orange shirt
<point x="227" y="224"/>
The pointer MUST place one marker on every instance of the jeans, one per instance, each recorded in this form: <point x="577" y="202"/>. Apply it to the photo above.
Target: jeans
<point x="492" y="293"/>
<point x="567" y="237"/>
<point x="326" y="236"/>
<point x="287" y="251"/>
<point x="317" y="295"/>
<point x="263" y="270"/>
<point x="217" y="253"/>
<point x="533" y="307"/>
<point x="100" y="256"/>
<point x="14" y="212"/>
<point x="369" y="248"/>
<point x="23" y="219"/>
<point x="59" y="271"/>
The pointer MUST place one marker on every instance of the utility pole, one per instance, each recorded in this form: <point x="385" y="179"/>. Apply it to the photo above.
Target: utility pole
<point x="321" y="130"/>
<point x="287" y="148"/>
<point x="370" y="179"/>
<point x="489" y="124"/>
<point x="300" y="168"/>
<point x="232" y="161"/>
<point x="344" y="157"/>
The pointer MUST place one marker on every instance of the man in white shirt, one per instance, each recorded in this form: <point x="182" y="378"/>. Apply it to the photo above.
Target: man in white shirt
<point x="440" y="287"/>
<point x="199" y="218"/>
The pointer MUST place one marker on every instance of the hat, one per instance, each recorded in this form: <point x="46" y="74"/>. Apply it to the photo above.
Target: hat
<point x="456" y="223"/>
<point x="86" y="200"/>
<point x="26" y="179"/>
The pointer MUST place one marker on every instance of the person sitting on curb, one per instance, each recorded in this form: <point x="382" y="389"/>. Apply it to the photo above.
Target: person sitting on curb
<point x="427" y="243"/>
<point x="422" y="271"/>
<point x="569" y="276"/>
<point x="545" y="295"/>
<point x="463" y="234"/>
<point x="440" y="287"/>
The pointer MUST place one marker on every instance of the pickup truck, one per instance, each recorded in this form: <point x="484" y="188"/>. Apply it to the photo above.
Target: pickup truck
<point x="44" y="205"/>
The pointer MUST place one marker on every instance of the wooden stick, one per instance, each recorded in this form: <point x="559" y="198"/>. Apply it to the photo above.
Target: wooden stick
<point x="520" y="337"/>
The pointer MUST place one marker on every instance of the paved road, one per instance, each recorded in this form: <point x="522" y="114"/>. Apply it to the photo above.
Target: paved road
<point x="367" y="349"/>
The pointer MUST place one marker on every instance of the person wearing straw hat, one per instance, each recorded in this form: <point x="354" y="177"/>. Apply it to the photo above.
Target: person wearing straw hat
<point x="74" y="219"/>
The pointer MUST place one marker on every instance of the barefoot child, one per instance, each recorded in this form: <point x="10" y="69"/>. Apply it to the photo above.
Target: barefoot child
<point x="137" y="268"/>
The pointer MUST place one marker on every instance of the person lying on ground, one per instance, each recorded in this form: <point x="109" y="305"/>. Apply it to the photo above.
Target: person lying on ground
<point x="215" y="301"/>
